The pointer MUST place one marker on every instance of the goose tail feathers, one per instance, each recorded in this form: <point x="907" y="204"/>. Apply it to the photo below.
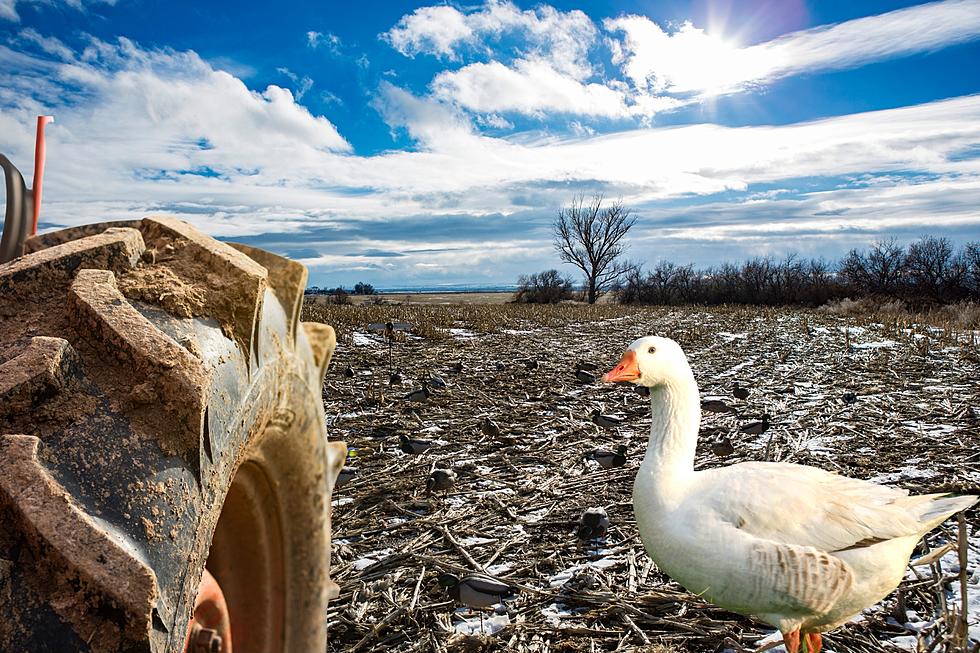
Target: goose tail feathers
<point x="940" y="507"/>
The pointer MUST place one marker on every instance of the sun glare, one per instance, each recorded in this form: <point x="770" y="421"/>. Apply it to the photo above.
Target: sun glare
<point x="705" y="63"/>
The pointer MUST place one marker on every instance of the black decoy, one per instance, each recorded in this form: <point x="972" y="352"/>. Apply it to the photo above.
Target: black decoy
<point x="593" y="524"/>
<point x="641" y="390"/>
<point x="489" y="427"/>
<point x="605" y="421"/>
<point x="588" y="367"/>
<point x="756" y="428"/>
<point x="849" y="397"/>
<point x="346" y="475"/>
<point x="349" y="371"/>
<point x="440" y="479"/>
<point x="531" y="364"/>
<point x="739" y="392"/>
<point x="419" y="395"/>
<point x="437" y="382"/>
<point x="716" y="406"/>
<point x="609" y="459"/>
<point x="723" y="447"/>
<point x="413" y="446"/>
<point x="584" y="376"/>
<point x="395" y="378"/>
<point x="477" y="591"/>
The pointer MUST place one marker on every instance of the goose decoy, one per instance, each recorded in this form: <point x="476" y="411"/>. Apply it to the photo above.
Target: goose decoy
<point x="419" y="395"/>
<point x="739" y="392"/>
<point x="593" y="524"/>
<point x="437" y="382"/>
<point x="346" y="475"/>
<point x="723" y="447"/>
<point x="716" y="406"/>
<point x="489" y="427"/>
<point x="584" y="376"/>
<point x="477" y="591"/>
<point x="349" y="371"/>
<point x="756" y="428"/>
<point x="794" y="546"/>
<point x="849" y="397"/>
<point x="395" y="378"/>
<point x="531" y="364"/>
<point x="588" y="367"/>
<point x="440" y="479"/>
<point x="609" y="459"/>
<point x="500" y="366"/>
<point x="605" y="421"/>
<point x="413" y="446"/>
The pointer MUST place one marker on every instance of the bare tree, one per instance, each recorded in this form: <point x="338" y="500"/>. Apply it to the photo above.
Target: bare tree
<point x="878" y="272"/>
<point x="933" y="269"/>
<point x="548" y="287"/>
<point x="971" y="265"/>
<point x="589" y="237"/>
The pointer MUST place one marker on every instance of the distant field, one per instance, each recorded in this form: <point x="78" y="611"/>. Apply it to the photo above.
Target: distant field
<point x="448" y="298"/>
<point x="436" y="298"/>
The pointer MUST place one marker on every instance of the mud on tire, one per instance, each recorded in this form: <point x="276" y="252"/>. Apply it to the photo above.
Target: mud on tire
<point x="160" y="410"/>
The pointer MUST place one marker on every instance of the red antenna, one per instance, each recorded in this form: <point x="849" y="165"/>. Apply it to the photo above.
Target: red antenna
<point x="39" y="153"/>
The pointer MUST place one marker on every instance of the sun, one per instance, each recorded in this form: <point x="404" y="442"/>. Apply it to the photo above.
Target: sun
<point x="702" y="63"/>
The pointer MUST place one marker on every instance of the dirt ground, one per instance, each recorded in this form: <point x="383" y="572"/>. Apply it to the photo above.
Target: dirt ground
<point x="914" y="422"/>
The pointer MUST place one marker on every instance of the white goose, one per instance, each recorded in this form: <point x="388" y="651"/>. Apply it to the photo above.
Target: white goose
<point x="794" y="546"/>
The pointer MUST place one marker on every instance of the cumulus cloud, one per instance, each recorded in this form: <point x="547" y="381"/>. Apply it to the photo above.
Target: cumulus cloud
<point x="688" y="60"/>
<point x="561" y="38"/>
<point x="530" y="87"/>
<point x="431" y="30"/>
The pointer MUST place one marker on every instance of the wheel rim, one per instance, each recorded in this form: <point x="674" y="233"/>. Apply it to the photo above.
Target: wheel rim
<point x="209" y="630"/>
<point x="246" y="558"/>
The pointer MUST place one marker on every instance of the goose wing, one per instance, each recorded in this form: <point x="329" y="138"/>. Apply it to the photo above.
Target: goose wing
<point x="809" y="507"/>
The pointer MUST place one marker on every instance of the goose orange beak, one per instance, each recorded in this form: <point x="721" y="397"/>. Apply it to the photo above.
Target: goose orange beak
<point x="628" y="369"/>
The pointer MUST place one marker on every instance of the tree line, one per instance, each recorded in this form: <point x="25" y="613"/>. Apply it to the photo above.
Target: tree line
<point x="927" y="272"/>
<point x="589" y="235"/>
<point x="341" y="295"/>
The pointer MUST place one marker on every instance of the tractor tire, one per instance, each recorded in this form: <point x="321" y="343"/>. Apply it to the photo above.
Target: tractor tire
<point x="160" y="412"/>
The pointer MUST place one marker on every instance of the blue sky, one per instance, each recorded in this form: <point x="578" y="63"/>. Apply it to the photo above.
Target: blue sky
<point x="412" y="144"/>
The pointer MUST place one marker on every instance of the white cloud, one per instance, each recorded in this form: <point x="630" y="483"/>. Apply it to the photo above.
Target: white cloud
<point x="561" y="38"/>
<point x="8" y="8"/>
<point x="327" y="40"/>
<point x="494" y="121"/>
<point x="430" y="30"/>
<point x="303" y="84"/>
<point x="531" y="87"/>
<point x="689" y="60"/>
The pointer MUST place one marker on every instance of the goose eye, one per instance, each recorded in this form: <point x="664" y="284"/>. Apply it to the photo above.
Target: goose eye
<point x="652" y="350"/>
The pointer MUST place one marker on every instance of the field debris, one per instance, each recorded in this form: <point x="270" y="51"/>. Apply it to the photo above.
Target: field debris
<point x="830" y="393"/>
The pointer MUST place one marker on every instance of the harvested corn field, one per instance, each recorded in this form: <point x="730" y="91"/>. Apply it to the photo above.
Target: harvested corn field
<point x="891" y="402"/>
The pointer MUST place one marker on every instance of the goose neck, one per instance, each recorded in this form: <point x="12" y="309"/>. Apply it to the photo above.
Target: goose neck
<point x="675" y="410"/>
